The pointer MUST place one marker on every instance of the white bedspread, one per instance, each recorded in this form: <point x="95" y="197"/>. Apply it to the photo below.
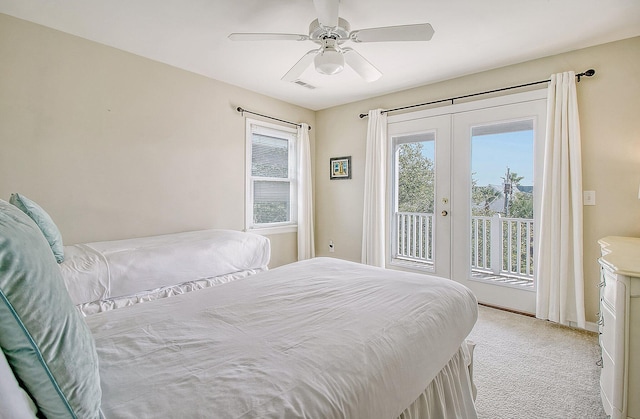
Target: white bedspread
<point x="109" y="269"/>
<point x="322" y="338"/>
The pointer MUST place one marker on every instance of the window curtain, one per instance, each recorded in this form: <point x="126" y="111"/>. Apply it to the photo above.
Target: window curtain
<point x="373" y="217"/>
<point x="559" y="264"/>
<point x="306" y="246"/>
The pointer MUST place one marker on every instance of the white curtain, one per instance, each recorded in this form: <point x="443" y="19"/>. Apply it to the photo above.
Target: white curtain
<point x="373" y="217"/>
<point x="559" y="264"/>
<point x="306" y="246"/>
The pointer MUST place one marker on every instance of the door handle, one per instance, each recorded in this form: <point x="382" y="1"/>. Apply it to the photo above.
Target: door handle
<point x="444" y="213"/>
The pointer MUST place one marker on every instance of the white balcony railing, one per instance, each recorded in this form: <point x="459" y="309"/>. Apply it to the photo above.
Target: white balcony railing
<point x="502" y="246"/>
<point x="415" y="236"/>
<point x="499" y="246"/>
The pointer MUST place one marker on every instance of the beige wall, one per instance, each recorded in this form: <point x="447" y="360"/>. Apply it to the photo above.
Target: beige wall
<point x="113" y="145"/>
<point x="609" y="106"/>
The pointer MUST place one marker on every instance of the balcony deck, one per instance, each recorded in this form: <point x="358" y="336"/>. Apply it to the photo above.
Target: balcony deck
<point x="502" y="279"/>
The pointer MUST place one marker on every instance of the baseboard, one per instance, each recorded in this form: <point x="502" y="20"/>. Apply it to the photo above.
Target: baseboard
<point x="510" y="310"/>
<point x="589" y="326"/>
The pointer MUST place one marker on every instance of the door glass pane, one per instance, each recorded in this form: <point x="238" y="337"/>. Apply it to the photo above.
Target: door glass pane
<point x="502" y="202"/>
<point x="414" y="198"/>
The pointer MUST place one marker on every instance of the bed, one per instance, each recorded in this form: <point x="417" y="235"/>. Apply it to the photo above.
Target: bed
<point x="112" y="274"/>
<point x="322" y="338"/>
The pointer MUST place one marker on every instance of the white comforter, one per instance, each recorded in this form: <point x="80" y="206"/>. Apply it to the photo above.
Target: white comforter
<point x="110" y="269"/>
<point x="322" y="338"/>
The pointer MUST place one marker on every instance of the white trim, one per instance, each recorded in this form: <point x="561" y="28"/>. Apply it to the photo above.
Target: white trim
<point x="417" y="122"/>
<point x="590" y="326"/>
<point x="269" y="128"/>
<point x="471" y="106"/>
<point x="267" y="231"/>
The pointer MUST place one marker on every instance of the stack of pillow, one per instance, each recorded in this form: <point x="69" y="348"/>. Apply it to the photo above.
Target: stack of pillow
<point x="44" y="339"/>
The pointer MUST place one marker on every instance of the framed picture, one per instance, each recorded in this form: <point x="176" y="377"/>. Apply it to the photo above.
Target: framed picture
<point x="340" y="167"/>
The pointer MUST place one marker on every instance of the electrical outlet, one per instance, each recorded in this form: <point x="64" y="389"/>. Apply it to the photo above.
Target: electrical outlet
<point x="331" y="247"/>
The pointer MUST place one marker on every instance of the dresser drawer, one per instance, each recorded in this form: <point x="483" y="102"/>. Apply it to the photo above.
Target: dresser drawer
<point x="607" y="329"/>
<point x="609" y="287"/>
<point x="608" y="385"/>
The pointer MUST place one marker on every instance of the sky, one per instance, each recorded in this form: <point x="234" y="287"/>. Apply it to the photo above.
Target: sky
<point x="492" y="154"/>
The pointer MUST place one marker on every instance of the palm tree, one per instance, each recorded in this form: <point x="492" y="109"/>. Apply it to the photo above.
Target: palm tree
<point x="511" y="180"/>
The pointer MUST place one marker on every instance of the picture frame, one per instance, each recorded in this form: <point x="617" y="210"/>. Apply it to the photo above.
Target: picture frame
<point x="340" y="167"/>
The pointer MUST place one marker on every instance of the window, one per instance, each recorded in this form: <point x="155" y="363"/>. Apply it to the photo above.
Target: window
<point x="271" y="176"/>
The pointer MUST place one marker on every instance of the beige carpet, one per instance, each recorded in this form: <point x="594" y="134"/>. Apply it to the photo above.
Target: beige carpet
<point x="530" y="368"/>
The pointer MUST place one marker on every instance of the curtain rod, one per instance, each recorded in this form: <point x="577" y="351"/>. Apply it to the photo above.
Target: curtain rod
<point x="243" y="111"/>
<point x="587" y="73"/>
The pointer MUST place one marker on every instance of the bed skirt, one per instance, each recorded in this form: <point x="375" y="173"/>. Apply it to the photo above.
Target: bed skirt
<point x="452" y="392"/>
<point x="450" y="395"/>
<point x="98" y="306"/>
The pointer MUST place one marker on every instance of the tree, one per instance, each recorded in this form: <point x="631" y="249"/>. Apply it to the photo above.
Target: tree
<point x="521" y="205"/>
<point x="511" y="181"/>
<point x="482" y="197"/>
<point x="415" y="179"/>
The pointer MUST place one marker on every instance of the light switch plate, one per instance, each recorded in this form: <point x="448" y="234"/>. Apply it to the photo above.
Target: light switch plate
<point x="589" y="197"/>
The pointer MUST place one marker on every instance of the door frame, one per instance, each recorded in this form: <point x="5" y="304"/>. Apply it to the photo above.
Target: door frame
<point x="456" y="231"/>
<point x="441" y="127"/>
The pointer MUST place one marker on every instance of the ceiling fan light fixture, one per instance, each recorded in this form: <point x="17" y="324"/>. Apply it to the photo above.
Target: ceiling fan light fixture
<point x="330" y="32"/>
<point x="329" y="62"/>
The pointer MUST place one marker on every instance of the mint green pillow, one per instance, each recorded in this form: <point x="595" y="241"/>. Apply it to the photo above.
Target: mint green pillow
<point x="44" y="338"/>
<point x="44" y="222"/>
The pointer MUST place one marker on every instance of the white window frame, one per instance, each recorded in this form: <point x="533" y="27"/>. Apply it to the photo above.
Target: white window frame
<point x="289" y="134"/>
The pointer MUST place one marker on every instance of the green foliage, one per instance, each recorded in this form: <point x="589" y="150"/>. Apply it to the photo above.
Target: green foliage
<point x="415" y="179"/>
<point x="521" y="205"/>
<point x="482" y="197"/>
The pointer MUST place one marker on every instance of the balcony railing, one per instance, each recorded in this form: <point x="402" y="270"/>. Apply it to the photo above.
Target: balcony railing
<point x="500" y="247"/>
<point x="415" y="236"/>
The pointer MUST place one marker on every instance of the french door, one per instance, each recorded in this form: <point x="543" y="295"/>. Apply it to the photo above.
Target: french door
<point x="463" y="200"/>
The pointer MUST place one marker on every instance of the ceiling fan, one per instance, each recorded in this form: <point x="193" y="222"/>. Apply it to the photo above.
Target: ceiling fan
<point x="330" y="31"/>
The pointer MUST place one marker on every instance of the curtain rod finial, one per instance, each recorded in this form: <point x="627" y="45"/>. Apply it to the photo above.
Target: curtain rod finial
<point x="363" y="115"/>
<point x="590" y="72"/>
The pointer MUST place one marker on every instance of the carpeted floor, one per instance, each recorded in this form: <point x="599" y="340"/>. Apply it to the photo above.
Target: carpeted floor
<point x="529" y="368"/>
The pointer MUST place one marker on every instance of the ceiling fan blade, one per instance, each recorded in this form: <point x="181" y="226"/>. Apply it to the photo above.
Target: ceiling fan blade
<point x="296" y="71"/>
<point x="418" y="32"/>
<point x="327" y="11"/>
<point x="267" y="37"/>
<point x="360" y="65"/>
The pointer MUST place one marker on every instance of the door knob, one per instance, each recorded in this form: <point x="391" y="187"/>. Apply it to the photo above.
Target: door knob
<point x="444" y="213"/>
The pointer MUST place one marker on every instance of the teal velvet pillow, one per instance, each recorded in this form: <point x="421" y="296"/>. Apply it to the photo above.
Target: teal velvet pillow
<point x="44" y="338"/>
<point x="44" y="222"/>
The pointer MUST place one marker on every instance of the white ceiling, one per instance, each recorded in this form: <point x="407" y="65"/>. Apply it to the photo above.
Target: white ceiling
<point x="470" y="36"/>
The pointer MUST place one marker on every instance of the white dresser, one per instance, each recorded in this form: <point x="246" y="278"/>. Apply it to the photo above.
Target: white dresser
<point x="620" y="326"/>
